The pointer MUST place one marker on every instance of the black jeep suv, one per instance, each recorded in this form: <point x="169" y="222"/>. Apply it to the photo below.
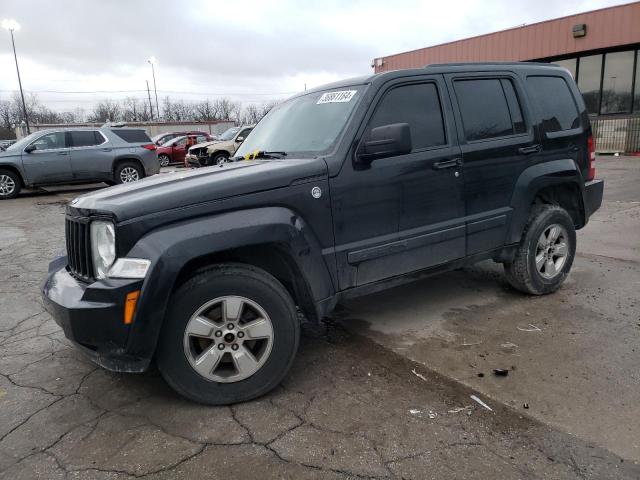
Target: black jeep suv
<point x="348" y="189"/>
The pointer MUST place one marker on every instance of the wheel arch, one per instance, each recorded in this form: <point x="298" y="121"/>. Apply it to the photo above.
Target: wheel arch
<point x="558" y="182"/>
<point x="119" y="160"/>
<point x="15" y="170"/>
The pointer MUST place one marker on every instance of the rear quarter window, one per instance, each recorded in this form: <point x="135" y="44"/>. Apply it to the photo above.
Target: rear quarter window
<point x="132" y="136"/>
<point x="553" y="103"/>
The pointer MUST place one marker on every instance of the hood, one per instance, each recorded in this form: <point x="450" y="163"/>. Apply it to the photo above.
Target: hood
<point x="180" y="189"/>
<point x="11" y="154"/>
<point x="205" y="144"/>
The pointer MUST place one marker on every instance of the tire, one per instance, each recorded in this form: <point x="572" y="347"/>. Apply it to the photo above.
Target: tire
<point x="219" y="380"/>
<point x="10" y="184"/>
<point x="128" y="172"/>
<point x="546" y="252"/>
<point x="164" y="160"/>
<point x="219" y="158"/>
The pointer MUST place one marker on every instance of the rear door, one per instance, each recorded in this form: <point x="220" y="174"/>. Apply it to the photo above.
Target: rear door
<point x="91" y="155"/>
<point x="497" y="142"/>
<point x="49" y="162"/>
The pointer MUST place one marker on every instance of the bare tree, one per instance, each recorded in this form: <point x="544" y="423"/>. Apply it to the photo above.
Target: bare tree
<point x="106" y="110"/>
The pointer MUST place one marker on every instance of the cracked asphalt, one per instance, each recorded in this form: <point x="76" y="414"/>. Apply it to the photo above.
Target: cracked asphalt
<point x="350" y="408"/>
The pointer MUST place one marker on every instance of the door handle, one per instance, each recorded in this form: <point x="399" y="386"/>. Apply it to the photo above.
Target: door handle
<point x="532" y="149"/>
<point x="106" y="149"/>
<point x="456" y="162"/>
<point x="573" y="148"/>
<point x="62" y="153"/>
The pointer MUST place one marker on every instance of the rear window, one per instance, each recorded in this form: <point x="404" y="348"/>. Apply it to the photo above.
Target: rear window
<point x="132" y="136"/>
<point x="553" y="103"/>
<point x="86" y="138"/>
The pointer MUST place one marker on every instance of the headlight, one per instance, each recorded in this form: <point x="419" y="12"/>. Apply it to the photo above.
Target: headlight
<point x="103" y="247"/>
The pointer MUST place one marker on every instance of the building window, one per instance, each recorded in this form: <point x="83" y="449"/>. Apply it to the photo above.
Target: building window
<point x="569" y="64"/>
<point x="636" y="101"/>
<point x="617" y="82"/>
<point x="589" y="76"/>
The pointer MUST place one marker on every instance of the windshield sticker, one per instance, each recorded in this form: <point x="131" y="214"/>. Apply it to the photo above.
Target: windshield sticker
<point x="342" y="96"/>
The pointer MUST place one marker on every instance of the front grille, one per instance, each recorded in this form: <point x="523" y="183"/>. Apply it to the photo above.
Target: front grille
<point x="79" y="248"/>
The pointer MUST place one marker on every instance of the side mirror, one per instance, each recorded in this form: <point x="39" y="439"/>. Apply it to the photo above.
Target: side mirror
<point x="239" y="139"/>
<point x="386" y="141"/>
<point x="30" y="148"/>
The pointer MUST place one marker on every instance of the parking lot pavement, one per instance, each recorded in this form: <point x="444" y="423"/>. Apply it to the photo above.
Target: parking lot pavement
<point x="351" y="408"/>
<point x="572" y="356"/>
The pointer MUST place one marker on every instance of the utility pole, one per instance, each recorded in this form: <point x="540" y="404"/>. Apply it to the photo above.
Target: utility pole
<point x="12" y="25"/>
<point x="149" y="95"/>
<point x="152" y="61"/>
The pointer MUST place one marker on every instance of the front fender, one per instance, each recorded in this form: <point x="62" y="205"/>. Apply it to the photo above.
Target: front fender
<point x="170" y="248"/>
<point x="530" y="182"/>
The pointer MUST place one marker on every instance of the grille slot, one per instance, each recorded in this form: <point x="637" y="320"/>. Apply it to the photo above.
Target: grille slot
<point x="78" y="248"/>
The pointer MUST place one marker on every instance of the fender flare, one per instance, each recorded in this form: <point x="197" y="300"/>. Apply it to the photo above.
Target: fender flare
<point x="171" y="247"/>
<point x="531" y="181"/>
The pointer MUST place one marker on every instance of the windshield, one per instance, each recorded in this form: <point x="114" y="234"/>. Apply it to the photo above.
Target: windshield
<point x="309" y="123"/>
<point x="20" y="144"/>
<point x="229" y="134"/>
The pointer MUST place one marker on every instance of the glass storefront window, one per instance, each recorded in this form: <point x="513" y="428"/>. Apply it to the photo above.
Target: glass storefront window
<point x="589" y="81"/>
<point x="569" y="64"/>
<point x="617" y="82"/>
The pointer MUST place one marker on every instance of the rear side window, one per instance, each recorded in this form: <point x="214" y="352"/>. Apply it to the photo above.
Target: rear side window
<point x="484" y="108"/>
<point x="132" y="136"/>
<point x="553" y="103"/>
<point x="419" y="106"/>
<point x="86" y="138"/>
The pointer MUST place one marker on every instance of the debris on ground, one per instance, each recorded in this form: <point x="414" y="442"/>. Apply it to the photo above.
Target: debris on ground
<point x="465" y="344"/>
<point x="500" y="372"/>
<point x="509" y="347"/>
<point x="481" y="403"/>
<point x="532" y="328"/>
<point x="467" y="409"/>
<point x="420" y="376"/>
<point x="431" y="414"/>
<point x="481" y="374"/>
<point x="526" y="405"/>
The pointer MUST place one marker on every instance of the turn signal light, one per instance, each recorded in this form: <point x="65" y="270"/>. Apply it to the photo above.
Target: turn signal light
<point x="591" y="150"/>
<point x="130" y="306"/>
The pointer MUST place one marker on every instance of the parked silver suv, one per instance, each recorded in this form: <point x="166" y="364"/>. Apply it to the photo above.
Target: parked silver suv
<point x="79" y="155"/>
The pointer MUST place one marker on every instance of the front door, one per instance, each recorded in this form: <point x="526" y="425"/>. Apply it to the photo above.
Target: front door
<point x="91" y="155"/>
<point x="402" y="213"/>
<point x="49" y="161"/>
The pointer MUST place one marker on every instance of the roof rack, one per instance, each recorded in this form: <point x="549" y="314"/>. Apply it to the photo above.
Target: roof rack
<point x="463" y="64"/>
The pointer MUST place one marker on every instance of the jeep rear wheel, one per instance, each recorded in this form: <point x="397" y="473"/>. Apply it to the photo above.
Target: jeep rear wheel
<point x="10" y="184"/>
<point x="546" y="251"/>
<point x="230" y="335"/>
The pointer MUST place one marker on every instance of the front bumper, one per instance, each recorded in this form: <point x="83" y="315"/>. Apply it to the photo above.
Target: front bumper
<point x="593" y="192"/>
<point x="192" y="161"/>
<point x="91" y="316"/>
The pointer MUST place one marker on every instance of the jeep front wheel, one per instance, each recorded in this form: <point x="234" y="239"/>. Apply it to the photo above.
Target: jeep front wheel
<point x="230" y="335"/>
<point x="545" y="254"/>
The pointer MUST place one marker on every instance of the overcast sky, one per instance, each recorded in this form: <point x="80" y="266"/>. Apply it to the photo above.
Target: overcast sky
<point x="251" y="51"/>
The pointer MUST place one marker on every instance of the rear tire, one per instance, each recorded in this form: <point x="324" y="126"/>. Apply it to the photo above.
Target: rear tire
<point x="546" y="252"/>
<point x="10" y="184"/>
<point x="211" y="351"/>
<point x="128" y="172"/>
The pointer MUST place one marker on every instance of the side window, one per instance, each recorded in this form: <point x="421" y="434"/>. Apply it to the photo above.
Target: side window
<point x="484" y="109"/>
<point x="514" y="106"/>
<point x="50" y="141"/>
<point x="180" y="142"/>
<point x="86" y="139"/>
<point x="245" y="133"/>
<point x="201" y="139"/>
<point x="553" y="103"/>
<point x="419" y="106"/>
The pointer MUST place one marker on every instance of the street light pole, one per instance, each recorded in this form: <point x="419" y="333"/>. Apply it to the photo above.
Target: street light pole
<point x="12" y="25"/>
<point x="152" y="61"/>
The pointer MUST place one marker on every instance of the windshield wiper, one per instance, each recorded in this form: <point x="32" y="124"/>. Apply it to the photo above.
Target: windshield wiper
<point x="261" y="154"/>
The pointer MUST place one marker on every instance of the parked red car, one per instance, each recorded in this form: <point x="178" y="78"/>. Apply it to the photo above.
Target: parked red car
<point x="175" y="149"/>
<point x="165" y="137"/>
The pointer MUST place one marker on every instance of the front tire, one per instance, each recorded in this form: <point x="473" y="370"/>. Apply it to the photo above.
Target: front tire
<point x="164" y="160"/>
<point x="546" y="252"/>
<point x="10" y="184"/>
<point x="230" y="335"/>
<point x="219" y="158"/>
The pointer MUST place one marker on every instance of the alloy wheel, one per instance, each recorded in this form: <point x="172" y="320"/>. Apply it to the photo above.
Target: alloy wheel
<point x="164" y="160"/>
<point x="129" y="174"/>
<point x="552" y="250"/>
<point x="228" y="339"/>
<point x="7" y="185"/>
